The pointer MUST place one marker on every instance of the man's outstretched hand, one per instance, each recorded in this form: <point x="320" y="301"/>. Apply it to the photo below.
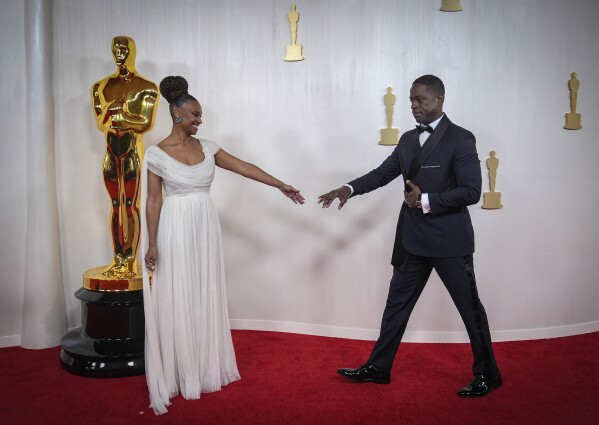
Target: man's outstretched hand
<point x="343" y="193"/>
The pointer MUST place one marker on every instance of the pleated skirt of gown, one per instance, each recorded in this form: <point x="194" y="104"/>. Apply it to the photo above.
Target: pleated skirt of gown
<point x="189" y="299"/>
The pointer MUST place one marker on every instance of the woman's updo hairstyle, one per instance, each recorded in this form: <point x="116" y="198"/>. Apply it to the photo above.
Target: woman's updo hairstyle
<point x="174" y="90"/>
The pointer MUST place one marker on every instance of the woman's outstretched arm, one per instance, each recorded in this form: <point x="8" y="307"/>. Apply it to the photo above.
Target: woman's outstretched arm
<point x="229" y="162"/>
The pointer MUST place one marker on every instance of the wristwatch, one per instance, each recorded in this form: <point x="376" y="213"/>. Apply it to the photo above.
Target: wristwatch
<point x="419" y="203"/>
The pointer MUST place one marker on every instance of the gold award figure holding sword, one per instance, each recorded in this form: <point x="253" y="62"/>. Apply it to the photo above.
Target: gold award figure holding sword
<point x="124" y="106"/>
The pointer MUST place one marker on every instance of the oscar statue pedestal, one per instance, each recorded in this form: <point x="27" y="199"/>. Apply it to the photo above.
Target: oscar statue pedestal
<point x="389" y="136"/>
<point x="110" y="342"/>
<point x="451" y="6"/>
<point x="573" y="121"/>
<point x="293" y="53"/>
<point x="492" y="200"/>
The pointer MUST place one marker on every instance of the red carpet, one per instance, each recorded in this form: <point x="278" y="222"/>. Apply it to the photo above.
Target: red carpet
<point x="291" y="379"/>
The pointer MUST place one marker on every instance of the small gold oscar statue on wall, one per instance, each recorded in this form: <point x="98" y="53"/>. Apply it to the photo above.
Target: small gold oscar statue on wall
<point x="451" y="6"/>
<point x="492" y="199"/>
<point x="573" y="118"/>
<point x="389" y="135"/>
<point x="294" y="50"/>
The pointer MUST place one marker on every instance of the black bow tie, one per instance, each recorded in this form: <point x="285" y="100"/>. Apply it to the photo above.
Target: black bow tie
<point x="422" y="128"/>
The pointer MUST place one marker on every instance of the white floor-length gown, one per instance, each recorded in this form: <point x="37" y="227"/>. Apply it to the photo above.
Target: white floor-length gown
<point x="188" y="339"/>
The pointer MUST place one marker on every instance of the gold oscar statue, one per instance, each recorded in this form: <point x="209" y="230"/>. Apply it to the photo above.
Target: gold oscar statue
<point x="294" y="50"/>
<point x="110" y="341"/>
<point x="124" y="104"/>
<point x="451" y="6"/>
<point x="573" y="118"/>
<point x="492" y="199"/>
<point x="389" y="135"/>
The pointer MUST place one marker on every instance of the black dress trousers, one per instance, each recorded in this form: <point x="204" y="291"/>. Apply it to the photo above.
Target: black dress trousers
<point x="407" y="283"/>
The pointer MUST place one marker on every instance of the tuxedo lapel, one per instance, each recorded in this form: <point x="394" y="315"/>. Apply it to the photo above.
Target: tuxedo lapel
<point x="410" y="150"/>
<point x="433" y="139"/>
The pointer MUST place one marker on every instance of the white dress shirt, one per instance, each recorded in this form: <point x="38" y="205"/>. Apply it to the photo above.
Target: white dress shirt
<point x="422" y="137"/>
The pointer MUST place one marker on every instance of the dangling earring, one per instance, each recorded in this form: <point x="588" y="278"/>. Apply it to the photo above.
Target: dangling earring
<point x="178" y="119"/>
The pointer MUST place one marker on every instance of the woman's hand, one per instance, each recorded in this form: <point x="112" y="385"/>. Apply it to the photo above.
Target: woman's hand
<point x="292" y="193"/>
<point x="151" y="257"/>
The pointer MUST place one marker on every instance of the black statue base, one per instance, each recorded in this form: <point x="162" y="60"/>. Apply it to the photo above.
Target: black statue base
<point x="110" y="342"/>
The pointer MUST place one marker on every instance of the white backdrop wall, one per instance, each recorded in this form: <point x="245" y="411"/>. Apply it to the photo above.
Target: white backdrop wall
<point x="315" y="124"/>
<point x="13" y="181"/>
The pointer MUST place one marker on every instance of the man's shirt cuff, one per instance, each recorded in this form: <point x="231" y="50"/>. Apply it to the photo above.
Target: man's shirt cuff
<point x="426" y="207"/>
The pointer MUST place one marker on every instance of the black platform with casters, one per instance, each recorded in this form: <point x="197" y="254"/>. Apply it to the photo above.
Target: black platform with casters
<point x="110" y="342"/>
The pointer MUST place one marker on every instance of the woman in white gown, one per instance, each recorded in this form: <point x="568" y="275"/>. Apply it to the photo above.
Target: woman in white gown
<point x="188" y="340"/>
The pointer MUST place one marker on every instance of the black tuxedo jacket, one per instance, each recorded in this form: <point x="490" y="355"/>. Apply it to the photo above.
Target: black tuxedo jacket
<point x="451" y="176"/>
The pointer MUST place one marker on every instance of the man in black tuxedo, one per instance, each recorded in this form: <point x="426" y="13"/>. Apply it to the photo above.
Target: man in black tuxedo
<point x="441" y="171"/>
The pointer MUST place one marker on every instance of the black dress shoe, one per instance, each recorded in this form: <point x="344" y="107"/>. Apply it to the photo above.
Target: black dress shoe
<point x="367" y="373"/>
<point x="480" y="386"/>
